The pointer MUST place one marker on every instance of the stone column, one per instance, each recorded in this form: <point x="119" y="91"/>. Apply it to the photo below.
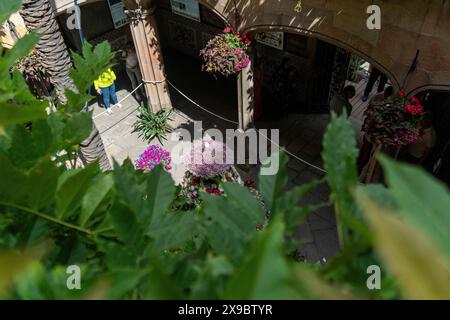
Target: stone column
<point x="146" y="42"/>
<point x="245" y="97"/>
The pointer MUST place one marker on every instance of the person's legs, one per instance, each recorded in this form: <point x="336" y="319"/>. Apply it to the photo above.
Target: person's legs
<point x="105" y="94"/>
<point x="372" y="79"/>
<point x="132" y="78"/>
<point x="364" y="154"/>
<point x="382" y="83"/>
<point x="112" y="92"/>
<point x="138" y="76"/>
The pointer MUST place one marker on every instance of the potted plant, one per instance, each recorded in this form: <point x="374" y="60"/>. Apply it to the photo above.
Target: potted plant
<point x="152" y="125"/>
<point x="226" y="54"/>
<point x="152" y="156"/>
<point x="204" y="175"/>
<point x="394" y="123"/>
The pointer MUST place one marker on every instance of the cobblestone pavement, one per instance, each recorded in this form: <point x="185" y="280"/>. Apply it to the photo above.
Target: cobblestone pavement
<point x="300" y="134"/>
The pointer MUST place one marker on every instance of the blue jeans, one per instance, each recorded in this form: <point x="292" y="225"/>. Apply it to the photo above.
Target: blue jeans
<point x="109" y="94"/>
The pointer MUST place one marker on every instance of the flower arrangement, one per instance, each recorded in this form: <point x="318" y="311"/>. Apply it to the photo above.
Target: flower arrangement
<point x="153" y="156"/>
<point x="203" y="162"/>
<point x="192" y="186"/>
<point x="226" y="53"/>
<point x="204" y="175"/>
<point x="394" y="123"/>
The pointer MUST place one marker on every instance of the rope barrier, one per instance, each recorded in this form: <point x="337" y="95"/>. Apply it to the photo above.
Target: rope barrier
<point x="199" y="106"/>
<point x="123" y="99"/>
<point x="154" y="81"/>
<point x="211" y="113"/>
<point x="293" y="155"/>
<point x="234" y="122"/>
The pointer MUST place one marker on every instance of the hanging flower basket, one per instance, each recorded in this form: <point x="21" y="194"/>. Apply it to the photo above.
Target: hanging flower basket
<point x="395" y="123"/>
<point x="153" y="156"/>
<point x="226" y="54"/>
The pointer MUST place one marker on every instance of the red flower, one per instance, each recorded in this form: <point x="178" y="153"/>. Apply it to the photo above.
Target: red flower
<point x="209" y="190"/>
<point x="415" y="100"/>
<point x="227" y="30"/>
<point x="413" y="109"/>
<point x="217" y="192"/>
<point x="228" y="178"/>
<point x="402" y="93"/>
<point x="249" y="183"/>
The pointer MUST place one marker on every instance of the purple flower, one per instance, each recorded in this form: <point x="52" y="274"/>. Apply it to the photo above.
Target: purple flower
<point x="208" y="158"/>
<point x="153" y="156"/>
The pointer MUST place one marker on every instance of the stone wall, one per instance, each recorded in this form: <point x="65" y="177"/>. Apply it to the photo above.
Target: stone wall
<point x="183" y="34"/>
<point x="407" y="26"/>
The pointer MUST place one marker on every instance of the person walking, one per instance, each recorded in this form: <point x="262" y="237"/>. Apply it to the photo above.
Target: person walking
<point x="105" y="86"/>
<point x="342" y="100"/>
<point x="375" y="74"/>
<point x="133" y="72"/>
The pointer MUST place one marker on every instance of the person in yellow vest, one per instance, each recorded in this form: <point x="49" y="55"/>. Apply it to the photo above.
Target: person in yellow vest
<point x="105" y="86"/>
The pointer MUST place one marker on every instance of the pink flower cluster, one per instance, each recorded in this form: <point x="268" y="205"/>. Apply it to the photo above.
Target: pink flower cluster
<point x="407" y="136"/>
<point x="153" y="156"/>
<point x="208" y="158"/>
<point x="226" y="53"/>
<point x="242" y="64"/>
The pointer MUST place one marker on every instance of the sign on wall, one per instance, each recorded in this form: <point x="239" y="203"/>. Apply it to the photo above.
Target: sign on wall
<point x="272" y="39"/>
<point x="186" y="8"/>
<point x="118" y="15"/>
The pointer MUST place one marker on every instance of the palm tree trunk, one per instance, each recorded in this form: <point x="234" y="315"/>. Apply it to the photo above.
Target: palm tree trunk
<point x="54" y="56"/>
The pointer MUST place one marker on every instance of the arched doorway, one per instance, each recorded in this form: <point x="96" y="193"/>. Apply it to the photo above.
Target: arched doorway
<point x="315" y="71"/>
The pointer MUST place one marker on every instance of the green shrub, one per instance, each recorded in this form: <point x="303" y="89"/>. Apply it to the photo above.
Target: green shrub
<point x="152" y="125"/>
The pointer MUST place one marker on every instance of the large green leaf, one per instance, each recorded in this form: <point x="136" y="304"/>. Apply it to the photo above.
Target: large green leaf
<point x="234" y="216"/>
<point x="288" y="206"/>
<point x="41" y="184"/>
<point x="12" y="114"/>
<point x="147" y="195"/>
<point x="72" y="186"/>
<point x="264" y="273"/>
<point x="307" y="284"/>
<point x="17" y="104"/>
<point x="7" y="8"/>
<point x="210" y="282"/>
<point x="11" y="265"/>
<point x="170" y="230"/>
<point x="273" y="186"/>
<point x="94" y="196"/>
<point x="34" y="188"/>
<point x="77" y="128"/>
<point x="12" y="180"/>
<point x="160" y="193"/>
<point x="422" y="200"/>
<point x="339" y="155"/>
<point x="421" y="268"/>
<point x="127" y="226"/>
<point x="24" y="152"/>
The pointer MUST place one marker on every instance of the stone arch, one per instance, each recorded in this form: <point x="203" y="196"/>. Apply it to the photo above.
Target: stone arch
<point x="326" y="38"/>
<point x="407" y="26"/>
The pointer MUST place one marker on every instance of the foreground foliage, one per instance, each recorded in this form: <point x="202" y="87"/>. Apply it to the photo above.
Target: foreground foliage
<point x="118" y="228"/>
